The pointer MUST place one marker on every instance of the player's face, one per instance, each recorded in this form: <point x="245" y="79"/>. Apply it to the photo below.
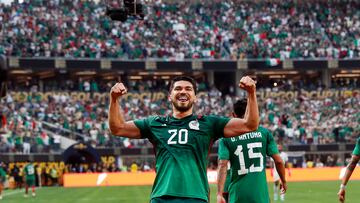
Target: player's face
<point x="182" y="96"/>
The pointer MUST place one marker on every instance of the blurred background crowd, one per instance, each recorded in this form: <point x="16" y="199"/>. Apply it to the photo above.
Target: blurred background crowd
<point x="219" y="29"/>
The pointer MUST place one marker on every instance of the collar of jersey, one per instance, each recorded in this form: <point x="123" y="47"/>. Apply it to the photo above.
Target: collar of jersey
<point x="172" y="118"/>
<point x="179" y="121"/>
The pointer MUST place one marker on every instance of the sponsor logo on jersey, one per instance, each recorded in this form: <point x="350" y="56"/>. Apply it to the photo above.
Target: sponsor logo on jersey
<point x="194" y="125"/>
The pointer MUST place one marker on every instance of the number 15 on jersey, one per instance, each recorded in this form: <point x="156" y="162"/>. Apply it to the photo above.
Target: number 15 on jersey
<point x="252" y="155"/>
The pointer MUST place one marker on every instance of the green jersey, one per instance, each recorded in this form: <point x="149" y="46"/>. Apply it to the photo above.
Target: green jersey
<point x="182" y="148"/>
<point x="29" y="172"/>
<point x="247" y="155"/>
<point x="357" y="148"/>
<point x="2" y="175"/>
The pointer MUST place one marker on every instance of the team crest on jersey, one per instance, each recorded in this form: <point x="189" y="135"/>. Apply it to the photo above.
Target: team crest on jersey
<point x="194" y="125"/>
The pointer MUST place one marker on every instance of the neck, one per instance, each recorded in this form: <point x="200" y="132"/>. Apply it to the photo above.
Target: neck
<point x="177" y="114"/>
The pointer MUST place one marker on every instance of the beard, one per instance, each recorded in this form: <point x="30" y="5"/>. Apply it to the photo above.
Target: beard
<point x="182" y="107"/>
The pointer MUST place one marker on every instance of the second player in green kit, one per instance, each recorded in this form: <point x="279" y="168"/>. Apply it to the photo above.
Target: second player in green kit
<point x="247" y="156"/>
<point x="248" y="163"/>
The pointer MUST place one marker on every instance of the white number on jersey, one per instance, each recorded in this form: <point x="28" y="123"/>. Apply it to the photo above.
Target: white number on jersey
<point x="252" y="155"/>
<point x="30" y="170"/>
<point x="182" y="136"/>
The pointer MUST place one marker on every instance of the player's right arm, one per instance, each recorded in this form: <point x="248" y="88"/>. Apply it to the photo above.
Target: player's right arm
<point x="222" y="173"/>
<point x="117" y="124"/>
<point x="349" y="170"/>
<point x="280" y="168"/>
<point x="224" y="157"/>
<point x="238" y="126"/>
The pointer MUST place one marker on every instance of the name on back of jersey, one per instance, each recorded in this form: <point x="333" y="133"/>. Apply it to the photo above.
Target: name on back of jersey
<point x="247" y="136"/>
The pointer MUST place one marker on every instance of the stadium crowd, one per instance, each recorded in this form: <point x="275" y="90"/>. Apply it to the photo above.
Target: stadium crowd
<point x="300" y="120"/>
<point x="216" y="29"/>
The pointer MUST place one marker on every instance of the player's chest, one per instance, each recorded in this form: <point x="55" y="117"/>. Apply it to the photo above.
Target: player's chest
<point x="189" y="133"/>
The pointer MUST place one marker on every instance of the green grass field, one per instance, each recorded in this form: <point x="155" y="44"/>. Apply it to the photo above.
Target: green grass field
<point x="304" y="192"/>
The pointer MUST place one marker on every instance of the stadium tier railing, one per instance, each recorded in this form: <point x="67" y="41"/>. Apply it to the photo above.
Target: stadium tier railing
<point x="42" y="63"/>
<point x="71" y="135"/>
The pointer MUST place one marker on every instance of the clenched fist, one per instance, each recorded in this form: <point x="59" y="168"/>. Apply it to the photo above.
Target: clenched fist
<point x="248" y="84"/>
<point x="341" y="195"/>
<point x="117" y="91"/>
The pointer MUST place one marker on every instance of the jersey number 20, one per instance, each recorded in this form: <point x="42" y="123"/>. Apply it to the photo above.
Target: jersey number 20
<point x="182" y="136"/>
<point x="252" y="155"/>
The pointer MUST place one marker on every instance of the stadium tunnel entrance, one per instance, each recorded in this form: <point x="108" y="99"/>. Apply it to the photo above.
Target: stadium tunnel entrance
<point x="81" y="153"/>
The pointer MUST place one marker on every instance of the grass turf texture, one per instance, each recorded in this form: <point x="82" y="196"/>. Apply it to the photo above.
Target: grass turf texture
<point x="299" y="192"/>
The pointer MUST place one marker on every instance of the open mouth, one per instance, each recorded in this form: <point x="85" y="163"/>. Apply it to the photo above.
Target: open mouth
<point x="183" y="98"/>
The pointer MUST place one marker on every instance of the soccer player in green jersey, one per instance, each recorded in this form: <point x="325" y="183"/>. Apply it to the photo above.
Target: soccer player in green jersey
<point x="29" y="174"/>
<point x="2" y="178"/>
<point x="349" y="170"/>
<point x="182" y="140"/>
<point x="247" y="156"/>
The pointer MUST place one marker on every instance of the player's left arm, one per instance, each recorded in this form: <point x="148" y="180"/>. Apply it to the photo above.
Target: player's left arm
<point x="250" y="122"/>
<point x="280" y="168"/>
<point x="349" y="170"/>
<point x="222" y="173"/>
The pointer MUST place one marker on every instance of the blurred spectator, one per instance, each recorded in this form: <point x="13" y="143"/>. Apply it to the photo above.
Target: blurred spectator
<point x="134" y="167"/>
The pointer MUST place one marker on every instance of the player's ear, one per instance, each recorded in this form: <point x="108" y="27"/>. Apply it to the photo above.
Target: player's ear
<point x="169" y="97"/>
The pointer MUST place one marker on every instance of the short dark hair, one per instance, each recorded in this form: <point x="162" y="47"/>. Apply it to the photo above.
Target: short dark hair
<point x="240" y="107"/>
<point x="183" y="78"/>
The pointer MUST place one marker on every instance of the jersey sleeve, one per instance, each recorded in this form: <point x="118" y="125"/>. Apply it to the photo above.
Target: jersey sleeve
<point x="271" y="147"/>
<point x="357" y="148"/>
<point x="144" y="126"/>
<point x="223" y="150"/>
<point x="219" y="124"/>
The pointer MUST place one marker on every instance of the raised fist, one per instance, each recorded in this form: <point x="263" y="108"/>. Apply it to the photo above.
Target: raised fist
<point x="248" y="84"/>
<point x="117" y="90"/>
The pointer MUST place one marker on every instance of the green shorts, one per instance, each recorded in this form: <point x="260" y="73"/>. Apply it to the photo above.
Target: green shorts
<point x="172" y="199"/>
<point x="30" y="182"/>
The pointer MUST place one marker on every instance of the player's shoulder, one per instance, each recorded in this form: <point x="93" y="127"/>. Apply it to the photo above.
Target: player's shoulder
<point x="358" y="141"/>
<point x="223" y="140"/>
<point x="211" y="118"/>
<point x="208" y="117"/>
<point x="263" y="130"/>
<point x="154" y="118"/>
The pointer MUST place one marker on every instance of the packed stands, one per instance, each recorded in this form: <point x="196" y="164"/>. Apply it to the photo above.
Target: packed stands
<point x="214" y="29"/>
<point x="301" y="120"/>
